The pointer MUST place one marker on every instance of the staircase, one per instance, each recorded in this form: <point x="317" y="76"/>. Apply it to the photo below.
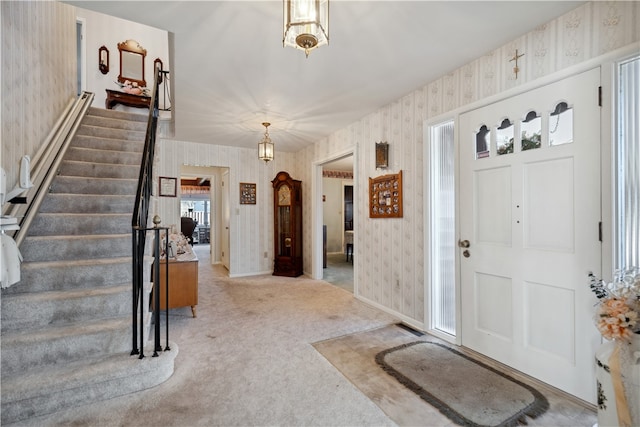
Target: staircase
<point x="66" y="326"/>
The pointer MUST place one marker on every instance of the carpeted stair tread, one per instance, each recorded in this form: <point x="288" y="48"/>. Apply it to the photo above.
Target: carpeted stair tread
<point x="101" y="143"/>
<point x="27" y="311"/>
<point x="41" y="392"/>
<point x="47" y="224"/>
<point x="99" y="170"/>
<point x="107" y="186"/>
<point x="123" y="115"/>
<point x="59" y="275"/>
<point x="55" y="248"/>
<point x="114" y="123"/>
<point x="99" y="155"/>
<point x="64" y="343"/>
<point x="87" y="203"/>
<point x="128" y="135"/>
<point x="104" y="366"/>
<point x="64" y="330"/>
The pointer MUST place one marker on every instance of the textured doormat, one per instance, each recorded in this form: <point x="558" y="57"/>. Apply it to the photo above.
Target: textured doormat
<point x="466" y="391"/>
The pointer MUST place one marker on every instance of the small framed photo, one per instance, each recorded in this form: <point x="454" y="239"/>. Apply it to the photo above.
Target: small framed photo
<point x="247" y="193"/>
<point x="168" y="186"/>
<point x="382" y="155"/>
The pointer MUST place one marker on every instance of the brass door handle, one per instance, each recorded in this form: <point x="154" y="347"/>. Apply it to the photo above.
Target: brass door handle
<point x="464" y="243"/>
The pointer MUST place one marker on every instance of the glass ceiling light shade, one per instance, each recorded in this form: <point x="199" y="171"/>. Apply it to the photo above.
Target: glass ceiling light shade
<point x="306" y="24"/>
<point x="265" y="147"/>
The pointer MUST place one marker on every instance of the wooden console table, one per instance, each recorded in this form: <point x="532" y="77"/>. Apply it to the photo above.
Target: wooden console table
<point x="115" y="97"/>
<point x="183" y="284"/>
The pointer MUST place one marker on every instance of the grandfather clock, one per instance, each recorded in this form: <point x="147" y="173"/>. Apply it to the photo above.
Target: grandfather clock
<point x="287" y="225"/>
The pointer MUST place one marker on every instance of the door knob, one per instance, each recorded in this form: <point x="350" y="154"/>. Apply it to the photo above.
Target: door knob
<point x="463" y="243"/>
<point x="466" y="253"/>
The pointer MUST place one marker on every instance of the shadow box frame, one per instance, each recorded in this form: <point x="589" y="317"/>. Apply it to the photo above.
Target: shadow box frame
<point x="248" y="192"/>
<point x="385" y="196"/>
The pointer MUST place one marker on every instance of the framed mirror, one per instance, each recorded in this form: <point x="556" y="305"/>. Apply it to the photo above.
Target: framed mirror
<point x="132" y="62"/>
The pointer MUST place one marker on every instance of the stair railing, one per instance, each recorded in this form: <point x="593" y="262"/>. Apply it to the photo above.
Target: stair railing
<point x="140" y="228"/>
<point x="45" y="164"/>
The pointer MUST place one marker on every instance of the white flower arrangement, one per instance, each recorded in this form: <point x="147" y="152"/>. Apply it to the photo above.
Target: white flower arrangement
<point x="179" y="247"/>
<point x="618" y="314"/>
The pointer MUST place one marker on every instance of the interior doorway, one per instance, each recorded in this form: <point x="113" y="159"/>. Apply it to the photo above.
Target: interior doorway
<point x="201" y="198"/>
<point x="81" y="55"/>
<point x="338" y="223"/>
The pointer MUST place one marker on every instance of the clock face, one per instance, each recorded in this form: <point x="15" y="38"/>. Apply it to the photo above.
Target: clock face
<point x="284" y="196"/>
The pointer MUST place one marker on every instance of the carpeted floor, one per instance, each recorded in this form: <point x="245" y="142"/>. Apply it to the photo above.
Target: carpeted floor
<point x="248" y="360"/>
<point x="277" y="351"/>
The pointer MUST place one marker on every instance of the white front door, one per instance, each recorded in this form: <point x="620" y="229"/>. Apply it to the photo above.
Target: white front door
<point x="531" y="217"/>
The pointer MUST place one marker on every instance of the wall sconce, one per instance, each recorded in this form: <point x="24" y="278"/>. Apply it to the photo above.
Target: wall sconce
<point x="103" y="60"/>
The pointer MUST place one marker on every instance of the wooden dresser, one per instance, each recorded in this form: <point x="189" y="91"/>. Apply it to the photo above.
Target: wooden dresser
<point x="115" y="97"/>
<point x="183" y="284"/>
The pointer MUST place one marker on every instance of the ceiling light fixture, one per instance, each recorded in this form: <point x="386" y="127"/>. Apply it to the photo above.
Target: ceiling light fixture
<point x="265" y="147"/>
<point x="306" y="24"/>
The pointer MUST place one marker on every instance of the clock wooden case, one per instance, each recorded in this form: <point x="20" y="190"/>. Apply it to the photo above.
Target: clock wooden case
<point x="287" y="225"/>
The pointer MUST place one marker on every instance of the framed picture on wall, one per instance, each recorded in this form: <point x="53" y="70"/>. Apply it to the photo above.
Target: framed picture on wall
<point x="168" y="186"/>
<point x="385" y="196"/>
<point x="247" y="193"/>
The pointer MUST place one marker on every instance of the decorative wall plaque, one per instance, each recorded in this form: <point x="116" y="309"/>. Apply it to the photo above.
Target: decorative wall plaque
<point x="385" y="196"/>
<point x="382" y="155"/>
<point x="247" y="193"/>
<point x="168" y="186"/>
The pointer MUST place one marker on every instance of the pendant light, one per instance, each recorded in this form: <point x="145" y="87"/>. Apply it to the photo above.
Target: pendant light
<point x="265" y="147"/>
<point x="306" y="24"/>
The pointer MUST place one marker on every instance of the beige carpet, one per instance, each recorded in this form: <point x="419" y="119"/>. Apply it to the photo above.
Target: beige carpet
<point x="274" y="351"/>
<point x="247" y="360"/>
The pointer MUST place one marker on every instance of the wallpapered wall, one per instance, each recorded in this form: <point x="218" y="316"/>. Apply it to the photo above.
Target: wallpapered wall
<point x="38" y="75"/>
<point x="389" y="257"/>
<point x="99" y="32"/>
<point x="251" y="226"/>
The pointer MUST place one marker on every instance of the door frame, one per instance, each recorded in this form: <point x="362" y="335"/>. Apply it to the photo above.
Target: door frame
<point x="607" y="64"/>
<point x="317" y="214"/>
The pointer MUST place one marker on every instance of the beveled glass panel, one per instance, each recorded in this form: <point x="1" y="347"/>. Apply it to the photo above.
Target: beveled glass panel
<point x="504" y="137"/>
<point x="283" y="227"/>
<point x="483" y="137"/>
<point x="561" y="125"/>
<point x="531" y="131"/>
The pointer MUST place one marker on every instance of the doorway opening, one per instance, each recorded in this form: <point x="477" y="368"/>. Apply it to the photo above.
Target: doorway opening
<point x="80" y="55"/>
<point x="338" y="223"/>
<point x="201" y="199"/>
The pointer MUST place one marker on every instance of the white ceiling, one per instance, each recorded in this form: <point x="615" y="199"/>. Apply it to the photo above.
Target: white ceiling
<point x="231" y="73"/>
